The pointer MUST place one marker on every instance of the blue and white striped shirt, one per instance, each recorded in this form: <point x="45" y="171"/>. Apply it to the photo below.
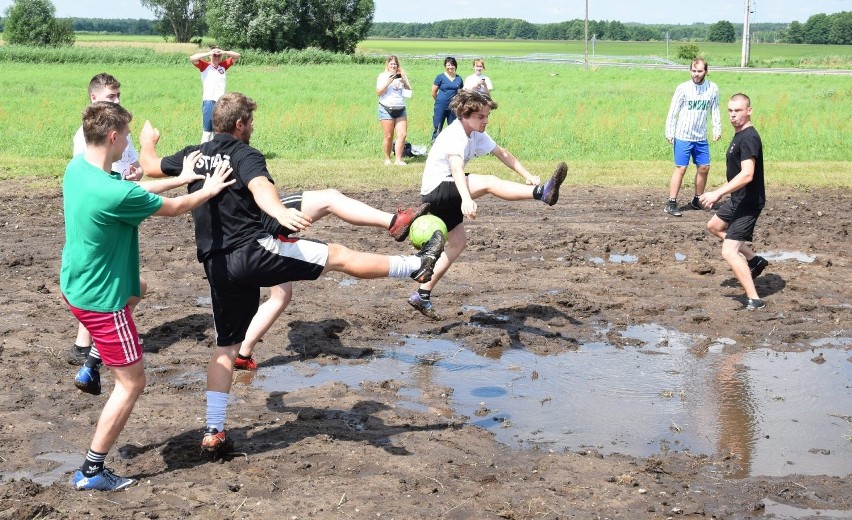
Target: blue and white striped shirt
<point x="687" y="119"/>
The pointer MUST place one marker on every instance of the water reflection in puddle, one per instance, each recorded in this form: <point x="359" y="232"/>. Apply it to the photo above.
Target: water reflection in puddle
<point x="615" y="259"/>
<point x="780" y="256"/>
<point x="782" y="413"/>
<point x="786" y="512"/>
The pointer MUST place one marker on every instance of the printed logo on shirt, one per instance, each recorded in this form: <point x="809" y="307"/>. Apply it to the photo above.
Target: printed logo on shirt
<point x="698" y="104"/>
<point x="207" y="163"/>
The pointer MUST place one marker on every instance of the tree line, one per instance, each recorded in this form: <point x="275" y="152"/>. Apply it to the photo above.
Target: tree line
<point x="338" y="26"/>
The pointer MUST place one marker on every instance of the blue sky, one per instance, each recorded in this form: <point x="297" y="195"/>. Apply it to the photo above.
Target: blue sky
<point x="535" y="11"/>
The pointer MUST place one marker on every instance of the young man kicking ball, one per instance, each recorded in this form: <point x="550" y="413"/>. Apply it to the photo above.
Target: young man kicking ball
<point x="240" y="255"/>
<point x="451" y="192"/>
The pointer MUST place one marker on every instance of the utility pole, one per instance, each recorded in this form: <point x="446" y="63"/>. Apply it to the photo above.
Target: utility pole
<point x="586" y="59"/>
<point x="746" y="35"/>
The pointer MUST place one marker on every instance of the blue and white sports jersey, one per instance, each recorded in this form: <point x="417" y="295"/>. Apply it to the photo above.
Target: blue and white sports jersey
<point x="687" y="119"/>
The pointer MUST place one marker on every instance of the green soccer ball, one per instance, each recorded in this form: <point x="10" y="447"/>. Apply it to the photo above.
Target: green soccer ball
<point x="423" y="228"/>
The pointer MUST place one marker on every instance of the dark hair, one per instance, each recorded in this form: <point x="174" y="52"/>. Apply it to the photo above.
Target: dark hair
<point x="230" y="108"/>
<point x="101" y="118"/>
<point x="701" y="60"/>
<point x="466" y="102"/>
<point x="103" y="80"/>
<point x="450" y="59"/>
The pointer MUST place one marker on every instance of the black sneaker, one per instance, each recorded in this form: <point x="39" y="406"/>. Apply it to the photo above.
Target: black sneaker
<point x="88" y="380"/>
<point x="77" y="355"/>
<point x="550" y="192"/>
<point x="429" y="254"/>
<point x="695" y="203"/>
<point x="757" y="265"/>
<point x="671" y="209"/>
<point x="754" y="304"/>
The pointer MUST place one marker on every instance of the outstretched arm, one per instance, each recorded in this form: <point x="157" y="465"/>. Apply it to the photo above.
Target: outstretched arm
<point x="151" y="164"/>
<point x="512" y="162"/>
<point x="186" y="176"/>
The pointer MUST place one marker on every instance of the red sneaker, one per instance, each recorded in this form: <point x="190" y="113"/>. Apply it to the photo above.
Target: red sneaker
<point x="245" y="364"/>
<point x="213" y="440"/>
<point x="404" y="218"/>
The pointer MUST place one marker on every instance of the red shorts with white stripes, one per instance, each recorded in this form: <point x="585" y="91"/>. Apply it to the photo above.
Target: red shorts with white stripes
<point x="113" y="333"/>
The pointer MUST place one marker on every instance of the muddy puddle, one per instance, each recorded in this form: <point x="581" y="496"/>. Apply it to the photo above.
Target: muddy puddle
<point x="782" y="413"/>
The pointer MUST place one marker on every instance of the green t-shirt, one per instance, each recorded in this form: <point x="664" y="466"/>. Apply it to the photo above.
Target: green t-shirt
<point x="100" y="260"/>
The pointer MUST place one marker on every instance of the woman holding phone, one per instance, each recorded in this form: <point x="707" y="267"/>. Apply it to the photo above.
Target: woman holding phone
<point x="393" y="88"/>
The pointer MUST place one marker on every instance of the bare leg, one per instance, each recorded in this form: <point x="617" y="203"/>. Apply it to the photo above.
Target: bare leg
<point x="701" y="178"/>
<point x="220" y="369"/>
<point x="356" y="263"/>
<point x="718" y="228"/>
<point x="129" y="384"/>
<point x="456" y="242"/>
<point x="318" y="204"/>
<point x="387" y="139"/>
<point x="731" y="254"/>
<point x="279" y="297"/>
<point x="480" y="185"/>
<point x="676" y="181"/>
<point x="401" y="133"/>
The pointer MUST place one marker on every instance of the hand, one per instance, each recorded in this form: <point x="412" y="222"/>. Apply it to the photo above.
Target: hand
<point x="670" y="140"/>
<point x="716" y="137"/>
<point x="149" y="134"/>
<point x="187" y="174"/>
<point x="533" y="180"/>
<point x="709" y="198"/>
<point x="469" y="208"/>
<point x="215" y="182"/>
<point x="294" y="220"/>
<point x="133" y="173"/>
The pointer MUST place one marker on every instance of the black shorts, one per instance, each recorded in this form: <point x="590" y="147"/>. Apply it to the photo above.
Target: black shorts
<point x="445" y="203"/>
<point x="236" y="278"/>
<point x="272" y="226"/>
<point x="740" y="222"/>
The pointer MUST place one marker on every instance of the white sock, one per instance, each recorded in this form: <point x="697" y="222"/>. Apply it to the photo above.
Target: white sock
<point x="217" y="405"/>
<point x="403" y="266"/>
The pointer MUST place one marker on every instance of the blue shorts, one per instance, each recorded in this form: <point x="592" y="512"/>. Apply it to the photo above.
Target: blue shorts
<point x="207" y="114"/>
<point x="385" y="116"/>
<point x="698" y="150"/>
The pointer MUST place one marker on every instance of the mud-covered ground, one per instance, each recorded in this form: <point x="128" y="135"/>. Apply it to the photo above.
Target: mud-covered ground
<point x="350" y="452"/>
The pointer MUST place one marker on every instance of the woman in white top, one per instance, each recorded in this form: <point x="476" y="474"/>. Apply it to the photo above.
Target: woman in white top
<point x="392" y="87"/>
<point x="478" y="82"/>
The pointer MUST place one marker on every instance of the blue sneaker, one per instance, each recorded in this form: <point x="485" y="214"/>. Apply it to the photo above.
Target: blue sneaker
<point x="424" y="306"/>
<point x="106" y="480"/>
<point x="550" y="193"/>
<point x="88" y="380"/>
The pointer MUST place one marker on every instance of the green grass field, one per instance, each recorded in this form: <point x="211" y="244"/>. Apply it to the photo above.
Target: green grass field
<point x="318" y="126"/>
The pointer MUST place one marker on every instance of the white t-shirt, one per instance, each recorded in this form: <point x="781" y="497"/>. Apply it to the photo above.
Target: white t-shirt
<point x="393" y="95"/>
<point x="452" y="141"/>
<point x="472" y="82"/>
<point x="122" y="166"/>
<point x="213" y="80"/>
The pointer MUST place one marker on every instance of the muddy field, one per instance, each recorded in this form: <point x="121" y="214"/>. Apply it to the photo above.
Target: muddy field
<point x="343" y="452"/>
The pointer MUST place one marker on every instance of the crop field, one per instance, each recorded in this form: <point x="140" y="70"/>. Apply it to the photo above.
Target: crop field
<point x="318" y="125"/>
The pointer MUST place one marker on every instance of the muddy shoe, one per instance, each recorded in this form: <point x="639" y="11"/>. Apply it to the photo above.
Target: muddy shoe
<point x="754" y="304"/>
<point x="550" y="192"/>
<point x="245" y="363"/>
<point x="215" y="441"/>
<point x="403" y="219"/>
<point x="671" y="209"/>
<point x="88" y="380"/>
<point x="423" y="306"/>
<point x="106" y="480"/>
<point x="77" y="355"/>
<point x="757" y="265"/>
<point x="429" y="254"/>
<point x="695" y="203"/>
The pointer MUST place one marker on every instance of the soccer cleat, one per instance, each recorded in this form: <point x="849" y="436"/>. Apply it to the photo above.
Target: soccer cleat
<point x="106" y="480"/>
<point x="755" y="303"/>
<point x="214" y="440"/>
<point x="757" y="265"/>
<point x="77" y="355"/>
<point x="695" y="203"/>
<point x="245" y="363"/>
<point x="403" y="220"/>
<point x="671" y="209"/>
<point x="429" y="254"/>
<point x="424" y="306"/>
<point x="88" y="380"/>
<point x="550" y="192"/>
